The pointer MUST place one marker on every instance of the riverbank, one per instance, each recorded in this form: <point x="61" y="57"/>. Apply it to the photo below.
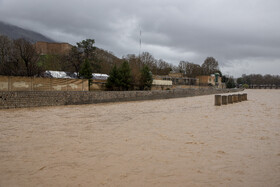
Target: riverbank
<point x="25" y="99"/>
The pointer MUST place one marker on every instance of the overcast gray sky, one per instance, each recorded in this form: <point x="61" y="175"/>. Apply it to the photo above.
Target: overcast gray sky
<point x="243" y="35"/>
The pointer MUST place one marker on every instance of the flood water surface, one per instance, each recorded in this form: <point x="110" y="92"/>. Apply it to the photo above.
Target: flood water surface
<point x="174" y="142"/>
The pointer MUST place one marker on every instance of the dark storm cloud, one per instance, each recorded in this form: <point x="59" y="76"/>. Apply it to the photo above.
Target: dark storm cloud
<point x="243" y="35"/>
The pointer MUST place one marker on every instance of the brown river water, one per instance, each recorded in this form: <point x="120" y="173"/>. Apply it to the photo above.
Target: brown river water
<point x="174" y="142"/>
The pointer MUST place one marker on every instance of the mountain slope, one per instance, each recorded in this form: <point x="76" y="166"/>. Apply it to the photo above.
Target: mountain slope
<point x="15" y="32"/>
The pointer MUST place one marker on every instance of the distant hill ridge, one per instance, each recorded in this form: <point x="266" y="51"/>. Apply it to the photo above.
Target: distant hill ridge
<point x="15" y="32"/>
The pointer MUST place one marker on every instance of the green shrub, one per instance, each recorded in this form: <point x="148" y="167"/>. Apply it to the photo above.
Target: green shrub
<point x="245" y="86"/>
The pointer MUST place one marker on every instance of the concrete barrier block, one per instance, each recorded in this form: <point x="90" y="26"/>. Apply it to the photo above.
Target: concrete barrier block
<point x="239" y="97"/>
<point x="218" y="100"/>
<point x="244" y="97"/>
<point x="224" y="100"/>
<point x="230" y="101"/>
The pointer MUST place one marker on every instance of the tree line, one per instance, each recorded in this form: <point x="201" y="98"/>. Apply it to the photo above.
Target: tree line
<point x="257" y="79"/>
<point x="20" y="58"/>
<point x="209" y="66"/>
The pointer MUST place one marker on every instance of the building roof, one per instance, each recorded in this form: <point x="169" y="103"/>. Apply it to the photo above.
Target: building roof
<point x="60" y="74"/>
<point x="100" y="76"/>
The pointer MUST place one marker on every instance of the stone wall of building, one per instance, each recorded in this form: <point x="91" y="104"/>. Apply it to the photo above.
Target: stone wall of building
<point x="46" y="48"/>
<point x="21" y="99"/>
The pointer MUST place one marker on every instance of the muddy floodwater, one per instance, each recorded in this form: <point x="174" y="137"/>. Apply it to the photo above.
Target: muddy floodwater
<point x="174" y="142"/>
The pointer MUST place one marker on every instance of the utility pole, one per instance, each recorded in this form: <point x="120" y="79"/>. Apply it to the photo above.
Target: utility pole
<point x="140" y="42"/>
<point x="140" y="45"/>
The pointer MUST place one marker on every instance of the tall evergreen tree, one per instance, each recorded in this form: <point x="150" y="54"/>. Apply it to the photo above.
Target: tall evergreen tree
<point x="146" y="78"/>
<point x="86" y="72"/>
<point x="120" y="78"/>
<point x="113" y="81"/>
<point x="87" y="47"/>
<point x="125" y="76"/>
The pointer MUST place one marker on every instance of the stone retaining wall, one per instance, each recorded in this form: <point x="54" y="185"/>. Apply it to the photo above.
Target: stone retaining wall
<point x="22" y="99"/>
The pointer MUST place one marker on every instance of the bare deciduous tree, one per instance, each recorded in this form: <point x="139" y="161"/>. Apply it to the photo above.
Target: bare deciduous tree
<point x="74" y="60"/>
<point x="5" y="53"/>
<point x="210" y="66"/>
<point x="18" y="58"/>
<point x="24" y="52"/>
<point x="5" y="49"/>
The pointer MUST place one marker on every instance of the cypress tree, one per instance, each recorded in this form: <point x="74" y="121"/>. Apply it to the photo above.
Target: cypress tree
<point x="125" y="76"/>
<point x="86" y="70"/>
<point x="120" y="78"/>
<point x="113" y="81"/>
<point x="146" y="78"/>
